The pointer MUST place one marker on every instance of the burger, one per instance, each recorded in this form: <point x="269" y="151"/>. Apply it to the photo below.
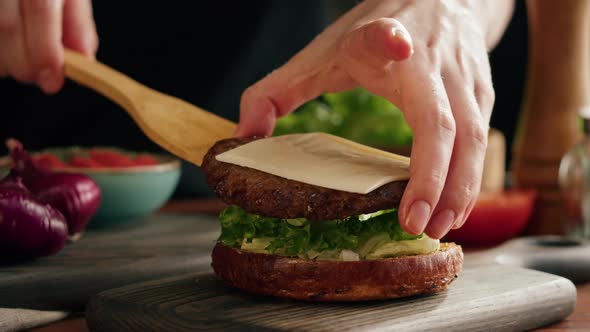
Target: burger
<point x="290" y="239"/>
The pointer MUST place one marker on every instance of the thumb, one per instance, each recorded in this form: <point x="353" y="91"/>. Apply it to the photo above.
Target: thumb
<point x="282" y="92"/>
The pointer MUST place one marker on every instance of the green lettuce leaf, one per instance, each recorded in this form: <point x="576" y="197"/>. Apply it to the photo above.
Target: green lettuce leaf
<point x="356" y="115"/>
<point x="298" y="236"/>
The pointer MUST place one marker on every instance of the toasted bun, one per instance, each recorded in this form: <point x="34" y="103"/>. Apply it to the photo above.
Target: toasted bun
<point x="323" y="280"/>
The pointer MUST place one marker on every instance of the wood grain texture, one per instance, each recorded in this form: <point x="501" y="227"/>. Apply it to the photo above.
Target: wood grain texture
<point x="487" y="298"/>
<point x="160" y="246"/>
<point x="580" y="319"/>
<point x="565" y="257"/>
<point x="185" y="130"/>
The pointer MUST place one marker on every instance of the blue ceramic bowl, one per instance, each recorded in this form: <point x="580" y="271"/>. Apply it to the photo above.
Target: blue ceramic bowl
<point x="129" y="193"/>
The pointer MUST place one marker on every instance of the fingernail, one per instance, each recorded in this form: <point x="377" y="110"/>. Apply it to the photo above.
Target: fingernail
<point x="459" y="223"/>
<point x="400" y="33"/>
<point x="403" y="34"/>
<point x="418" y="216"/>
<point x="441" y="223"/>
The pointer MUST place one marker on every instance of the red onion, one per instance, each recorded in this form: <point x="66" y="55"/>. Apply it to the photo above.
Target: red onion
<point x="28" y="227"/>
<point x="76" y="196"/>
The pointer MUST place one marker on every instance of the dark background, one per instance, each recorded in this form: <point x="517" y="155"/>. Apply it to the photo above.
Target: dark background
<point x="206" y="52"/>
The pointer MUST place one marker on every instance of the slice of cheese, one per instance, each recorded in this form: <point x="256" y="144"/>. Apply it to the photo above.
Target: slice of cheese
<point x="323" y="160"/>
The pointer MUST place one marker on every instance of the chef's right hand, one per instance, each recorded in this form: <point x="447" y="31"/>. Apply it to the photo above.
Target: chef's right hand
<point x="33" y="34"/>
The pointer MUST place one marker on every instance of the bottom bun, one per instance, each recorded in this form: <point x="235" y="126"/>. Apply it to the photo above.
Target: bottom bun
<point x="324" y="280"/>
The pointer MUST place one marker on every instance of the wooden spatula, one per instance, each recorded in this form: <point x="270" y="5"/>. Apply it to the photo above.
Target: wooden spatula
<point x="183" y="129"/>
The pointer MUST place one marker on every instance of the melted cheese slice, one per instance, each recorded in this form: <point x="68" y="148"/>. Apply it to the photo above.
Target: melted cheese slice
<point x="323" y="160"/>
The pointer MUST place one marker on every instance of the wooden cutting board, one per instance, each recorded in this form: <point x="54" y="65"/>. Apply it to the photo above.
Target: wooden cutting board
<point x="567" y="257"/>
<point x="160" y="246"/>
<point x="483" y="298"/>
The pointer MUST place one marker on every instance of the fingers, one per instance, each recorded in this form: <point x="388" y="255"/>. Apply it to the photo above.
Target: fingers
<point x="465" y="171"/>
<point x="43" y="33"/>
<point x="32" y="43"/>
<point x="364" y="53"/>
<point x="79" y="30"/>
<point x="427" y="109"/>
<point x="485" y="96"/>
<point x="13" y="58"/>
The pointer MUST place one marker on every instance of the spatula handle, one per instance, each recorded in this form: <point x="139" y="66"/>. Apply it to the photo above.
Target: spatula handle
<point x="101" y="78"/>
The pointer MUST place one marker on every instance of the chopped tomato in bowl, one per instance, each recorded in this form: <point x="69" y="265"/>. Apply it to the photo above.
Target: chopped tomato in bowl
<point x="496" y="217"/>
<point x="48" y="160"/>
<point x="94" y="158"/>
<point x="133" y="184"/>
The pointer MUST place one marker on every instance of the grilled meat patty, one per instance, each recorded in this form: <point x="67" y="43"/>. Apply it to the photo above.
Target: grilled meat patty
<point x="273" y="196"/>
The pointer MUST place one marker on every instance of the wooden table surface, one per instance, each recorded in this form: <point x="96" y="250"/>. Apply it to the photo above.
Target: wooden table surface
<point x="578" y="321"/>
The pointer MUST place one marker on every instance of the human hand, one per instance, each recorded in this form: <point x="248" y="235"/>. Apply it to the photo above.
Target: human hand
<point x="427" y="57"/>
<point x="33" y="34"/>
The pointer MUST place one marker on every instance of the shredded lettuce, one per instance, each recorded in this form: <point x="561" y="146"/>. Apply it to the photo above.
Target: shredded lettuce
<point x="303" y="238"/>
<point x="423" y="245"/>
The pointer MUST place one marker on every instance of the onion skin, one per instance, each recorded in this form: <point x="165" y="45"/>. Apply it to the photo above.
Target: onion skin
<point x="28" y="227"/>
<point x="76" y="196"/>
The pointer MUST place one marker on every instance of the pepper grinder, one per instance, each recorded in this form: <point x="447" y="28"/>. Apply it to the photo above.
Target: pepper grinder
<point x="557" y="88"/>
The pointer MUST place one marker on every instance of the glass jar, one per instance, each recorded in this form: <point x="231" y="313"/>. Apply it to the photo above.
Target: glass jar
<point x="574" y="182"/>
